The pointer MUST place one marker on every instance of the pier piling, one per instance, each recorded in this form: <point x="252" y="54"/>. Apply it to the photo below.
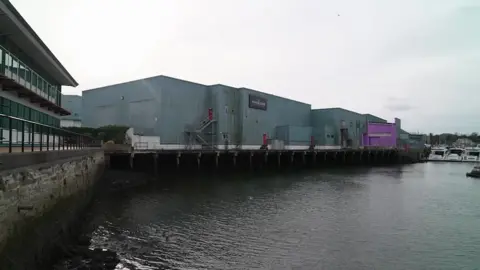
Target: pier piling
<point x="240" y="160"/>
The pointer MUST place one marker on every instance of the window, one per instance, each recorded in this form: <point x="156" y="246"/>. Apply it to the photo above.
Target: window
<point x="28" y="75"/>
<point x="21" y="110"/>
<point x="8" y="60"/>
<point x="45" y="87"/>
<point x="5" y="106"/>
<point x="42" y="118"/>
<point x="40" y="84"/>
<point x="21" y="71"/>
<point x="5" y="109"/>
<point x="14" y="67"/>
<point x="34" y="79"/>
<point x="52" y="91"/>
<point x="13" y="108"/>
<point x="34" y="117"/>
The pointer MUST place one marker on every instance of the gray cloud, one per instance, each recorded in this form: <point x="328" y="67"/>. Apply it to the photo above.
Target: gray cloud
<point x="421" y="52"/>
<point x="399" y="107"/>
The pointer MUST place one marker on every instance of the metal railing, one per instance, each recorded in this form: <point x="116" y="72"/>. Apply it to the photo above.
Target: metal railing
<point x="20" y="135"/>
<point x="12" y="67"/>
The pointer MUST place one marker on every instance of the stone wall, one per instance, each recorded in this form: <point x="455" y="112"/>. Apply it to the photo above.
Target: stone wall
<point x="39" y="203"/>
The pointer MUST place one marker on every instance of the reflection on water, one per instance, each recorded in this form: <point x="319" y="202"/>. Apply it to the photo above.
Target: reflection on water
<point x="423" y="216"/>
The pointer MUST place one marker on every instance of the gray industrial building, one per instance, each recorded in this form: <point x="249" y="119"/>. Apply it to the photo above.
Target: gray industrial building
<point x="327" y="124"/>
<point x="73" y="103"/>
<point x="178" y="112"/>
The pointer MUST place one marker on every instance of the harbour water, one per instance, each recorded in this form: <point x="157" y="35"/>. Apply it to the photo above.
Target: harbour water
<point x="421" y="216"/>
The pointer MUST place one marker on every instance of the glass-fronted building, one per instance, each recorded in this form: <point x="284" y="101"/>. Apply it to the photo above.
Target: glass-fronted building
<point x="30" y="75"/>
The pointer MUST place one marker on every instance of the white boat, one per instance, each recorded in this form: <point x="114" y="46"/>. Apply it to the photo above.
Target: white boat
<point x="438" y="154"/>
<point x="455" y="154"/>
<point x="472" y="154"/>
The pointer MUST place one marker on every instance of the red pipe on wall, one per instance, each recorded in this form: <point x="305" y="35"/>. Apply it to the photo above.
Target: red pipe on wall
<point x="210" y="114"/>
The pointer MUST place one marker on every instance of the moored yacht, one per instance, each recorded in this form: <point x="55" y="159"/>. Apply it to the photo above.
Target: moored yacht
<point x="472" y="154"/>
<point x="455" y="154"/>
<point x="437" y="154"/>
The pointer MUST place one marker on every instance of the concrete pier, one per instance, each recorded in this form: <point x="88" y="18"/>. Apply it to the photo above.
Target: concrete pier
<point x="158" y="162"/>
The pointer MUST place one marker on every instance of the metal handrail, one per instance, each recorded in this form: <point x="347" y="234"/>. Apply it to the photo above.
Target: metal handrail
<point x="66" y="139"/>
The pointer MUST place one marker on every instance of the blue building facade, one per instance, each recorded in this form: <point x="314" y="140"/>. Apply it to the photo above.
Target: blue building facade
<point x="179" y="113"/>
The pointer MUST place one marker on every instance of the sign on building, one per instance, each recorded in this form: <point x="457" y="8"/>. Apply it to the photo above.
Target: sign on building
<point x="256" y="102"/>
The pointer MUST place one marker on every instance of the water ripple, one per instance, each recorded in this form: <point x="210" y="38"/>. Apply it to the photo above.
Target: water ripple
<point x="423" y="216"/>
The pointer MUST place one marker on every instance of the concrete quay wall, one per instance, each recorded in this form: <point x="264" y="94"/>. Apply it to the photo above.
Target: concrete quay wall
<point x="41" y="196"/>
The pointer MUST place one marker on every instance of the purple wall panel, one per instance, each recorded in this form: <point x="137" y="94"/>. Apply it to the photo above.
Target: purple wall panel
<point x="380" y="134"/>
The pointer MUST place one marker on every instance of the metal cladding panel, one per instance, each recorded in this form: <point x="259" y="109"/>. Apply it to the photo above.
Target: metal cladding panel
<point x="293" y="135"/>
<point x="72" y="103"/>
<point x="354" y="122"/>
<point x="158" y="106"/>
<point x="324" y="135"/>
<point x="299" y="135"/>
<point x="373" y="118"/>
<point x="329" y="138"/>
<point x="279" y="112"/>
<point x="182" y="103"/>
<point x="332" y="119"/>
<point x="281" y="133"/>
<point x="322" y="123"/>
<point x="227" y="112"/>
<point x="382" y="128"/>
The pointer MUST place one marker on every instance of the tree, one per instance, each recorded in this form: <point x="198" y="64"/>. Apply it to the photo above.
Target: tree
<point x="101" y="135"/>
<point x="105" y="133"/>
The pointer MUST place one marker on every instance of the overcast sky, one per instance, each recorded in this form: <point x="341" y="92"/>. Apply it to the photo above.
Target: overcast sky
<point x="418" y="60"/>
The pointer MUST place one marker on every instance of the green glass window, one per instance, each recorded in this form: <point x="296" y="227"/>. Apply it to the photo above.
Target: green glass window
<point x="14" y="66"/>
<point x="34" y="79"/>
<point x="39" y="84"/>
<point x="13" y="108"/>
<point x="28" y="112"/>
<point x="8" y="61"/>
<point x="21" y="71"/>
<point x="20" y="110"/>
<point x="5" y="108"/>
<point x="1" y="60"/>
<point x="28" y="75"/>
